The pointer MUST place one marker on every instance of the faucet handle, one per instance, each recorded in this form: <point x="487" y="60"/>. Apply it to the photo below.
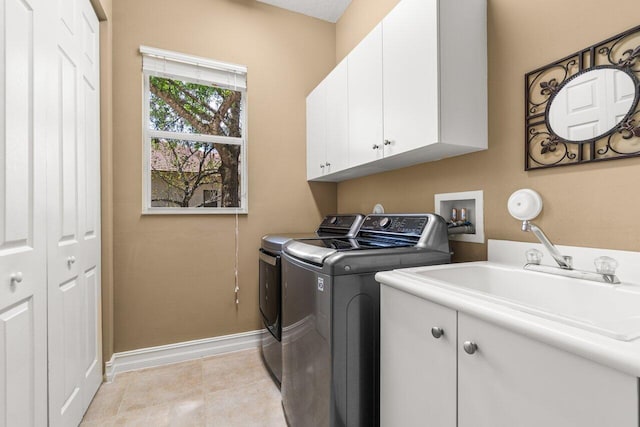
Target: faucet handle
<point x="534" y="256"/>
<point x="606" y="265"/>
<point x="568" y="260"/>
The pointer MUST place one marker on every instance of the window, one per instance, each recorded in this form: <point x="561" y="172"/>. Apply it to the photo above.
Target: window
<point x="194" y="134"/>
<point x="210" y="198"/>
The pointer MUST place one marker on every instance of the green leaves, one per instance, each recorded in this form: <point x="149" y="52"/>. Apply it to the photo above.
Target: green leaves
<point x="202" y="103"/>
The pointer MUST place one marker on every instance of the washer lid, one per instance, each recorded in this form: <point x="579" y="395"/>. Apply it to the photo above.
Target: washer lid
<point x="313" y="253"/>
<point x="274" y="242"/>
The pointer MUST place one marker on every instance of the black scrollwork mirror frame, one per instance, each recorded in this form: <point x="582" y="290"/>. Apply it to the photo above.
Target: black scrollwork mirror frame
<point x="545" y="149"/>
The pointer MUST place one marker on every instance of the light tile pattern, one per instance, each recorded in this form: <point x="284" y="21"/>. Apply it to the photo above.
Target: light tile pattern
<point x="229" y="390"/>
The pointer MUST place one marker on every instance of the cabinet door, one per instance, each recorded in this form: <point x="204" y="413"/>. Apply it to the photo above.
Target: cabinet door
<point x="365" y="100"/>
<point x="417" y="370"/>
<point x="26" y="52"/>
<point x="410" y="76"/>
<point x="337" y="124"/>
<point x="73" y="213"/>
<point x="512" y="380"/>
<point x="316" y="131"/>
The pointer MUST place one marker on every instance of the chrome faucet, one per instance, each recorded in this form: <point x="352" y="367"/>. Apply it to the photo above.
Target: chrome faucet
<point x="525" y="205"/>
<point x="605" y="266"/>
<point x="563" y="261"/>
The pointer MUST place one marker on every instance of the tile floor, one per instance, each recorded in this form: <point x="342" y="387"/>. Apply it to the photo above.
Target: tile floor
<point x="228" y="390"/>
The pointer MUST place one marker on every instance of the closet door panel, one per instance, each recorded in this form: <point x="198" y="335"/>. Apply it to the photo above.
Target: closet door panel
<point x="73" y="206"/>
<point x="64" y="281"/>
<point x="18" y="125"/>
<point x="17" y="324"/>
<point x="89" y="166"/>
<point x="25" y="62"/>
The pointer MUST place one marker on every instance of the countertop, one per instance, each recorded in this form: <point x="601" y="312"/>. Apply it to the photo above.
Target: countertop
<point x="623" y="356"/>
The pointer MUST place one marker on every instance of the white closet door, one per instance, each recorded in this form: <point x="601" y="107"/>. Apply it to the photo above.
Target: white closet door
<point x="25" y="31"/>
<point x="73" y="217"/>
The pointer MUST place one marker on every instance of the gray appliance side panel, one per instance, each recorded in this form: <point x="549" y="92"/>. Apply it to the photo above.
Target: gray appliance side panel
<point x="306" y="344"/>
<point x="271" y="350"/>
<point x="356" y="349"/>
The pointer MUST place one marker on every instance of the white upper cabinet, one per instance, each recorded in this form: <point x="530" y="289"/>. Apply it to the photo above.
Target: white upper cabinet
<point x="327" y="125"/>
<point x="411" y="76"/>
<point x="365" y="100"/>
<point x="417" y="89"/>
<point x="316" y="132"/>
<point x="337" y="120"/>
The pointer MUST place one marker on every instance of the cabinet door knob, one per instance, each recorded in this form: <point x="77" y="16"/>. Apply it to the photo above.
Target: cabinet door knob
<point x="71" y="260"/>
<point x="328" y="164"/>
<point x="321" y="166"/>
<point x="470" y="347"/>
<point x="375" y="147"/>
<point x="387" y="142"/>
<point x="16" y="278"/>
<point x="437" y="332"/>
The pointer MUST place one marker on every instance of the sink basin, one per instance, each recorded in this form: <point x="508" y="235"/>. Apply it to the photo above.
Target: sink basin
<point x="613" y="311"/>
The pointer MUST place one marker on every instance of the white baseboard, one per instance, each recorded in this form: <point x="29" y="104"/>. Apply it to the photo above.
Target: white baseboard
<point x="179" y="352"/>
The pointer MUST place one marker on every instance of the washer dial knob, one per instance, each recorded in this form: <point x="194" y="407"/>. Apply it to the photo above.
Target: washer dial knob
<point x="384" y="222"/>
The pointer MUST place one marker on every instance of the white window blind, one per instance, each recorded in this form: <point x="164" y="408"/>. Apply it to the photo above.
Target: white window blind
<point x="164" y="63"/>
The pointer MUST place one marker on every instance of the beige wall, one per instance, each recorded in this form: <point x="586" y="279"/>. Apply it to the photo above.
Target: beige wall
<point x="170" y="278"/>
<point x="174" y="275"/>
<point x="356" y="22"/>
<point x="585" y="205"/>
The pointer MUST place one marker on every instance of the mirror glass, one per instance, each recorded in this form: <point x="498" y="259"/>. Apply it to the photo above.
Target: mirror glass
<point x="591" y="104"/>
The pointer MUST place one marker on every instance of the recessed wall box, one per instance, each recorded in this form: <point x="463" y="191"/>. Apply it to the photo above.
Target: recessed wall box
<point x="472" y="201"/>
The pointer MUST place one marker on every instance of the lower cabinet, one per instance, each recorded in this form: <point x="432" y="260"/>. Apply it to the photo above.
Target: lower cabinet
<point x="434" y="358"/>
<point x="417" y="371"/>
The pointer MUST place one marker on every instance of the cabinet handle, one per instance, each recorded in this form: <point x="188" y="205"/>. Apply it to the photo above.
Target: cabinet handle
<point x="328" y="164"/>
<point x="387" y="142"/>
<point x="470" y="347"/>
<point x="321" y="166"/>
<point x="71" y="260"/>
<point x="437" y="332"/>
<point x="376" y="147"/>
<point x="16" y="278"/>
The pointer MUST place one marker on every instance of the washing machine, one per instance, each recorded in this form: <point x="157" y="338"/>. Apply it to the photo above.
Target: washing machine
<point x="331" y="315"/>
<point x="270" y="253"/>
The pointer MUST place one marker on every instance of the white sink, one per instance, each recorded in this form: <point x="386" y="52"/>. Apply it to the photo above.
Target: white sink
<point x="611" y="310"/>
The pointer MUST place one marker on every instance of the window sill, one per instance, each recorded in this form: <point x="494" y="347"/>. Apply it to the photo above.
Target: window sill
<point x="195" y="211"/>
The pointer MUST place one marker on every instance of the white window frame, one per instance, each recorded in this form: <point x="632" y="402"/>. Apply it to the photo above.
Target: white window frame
<point x="193" y="69"/>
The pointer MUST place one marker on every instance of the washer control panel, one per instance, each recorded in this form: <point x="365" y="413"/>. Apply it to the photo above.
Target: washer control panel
<point x="412" y="225"/>
<point x="342" y="221"/>
<point x="340" y="224"/>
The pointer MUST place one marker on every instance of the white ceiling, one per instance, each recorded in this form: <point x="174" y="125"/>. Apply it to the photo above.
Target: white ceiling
<point x="328" y="10"/>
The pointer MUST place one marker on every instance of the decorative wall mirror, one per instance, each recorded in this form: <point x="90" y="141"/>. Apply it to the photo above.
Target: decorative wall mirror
<point x="584" y="108"/>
